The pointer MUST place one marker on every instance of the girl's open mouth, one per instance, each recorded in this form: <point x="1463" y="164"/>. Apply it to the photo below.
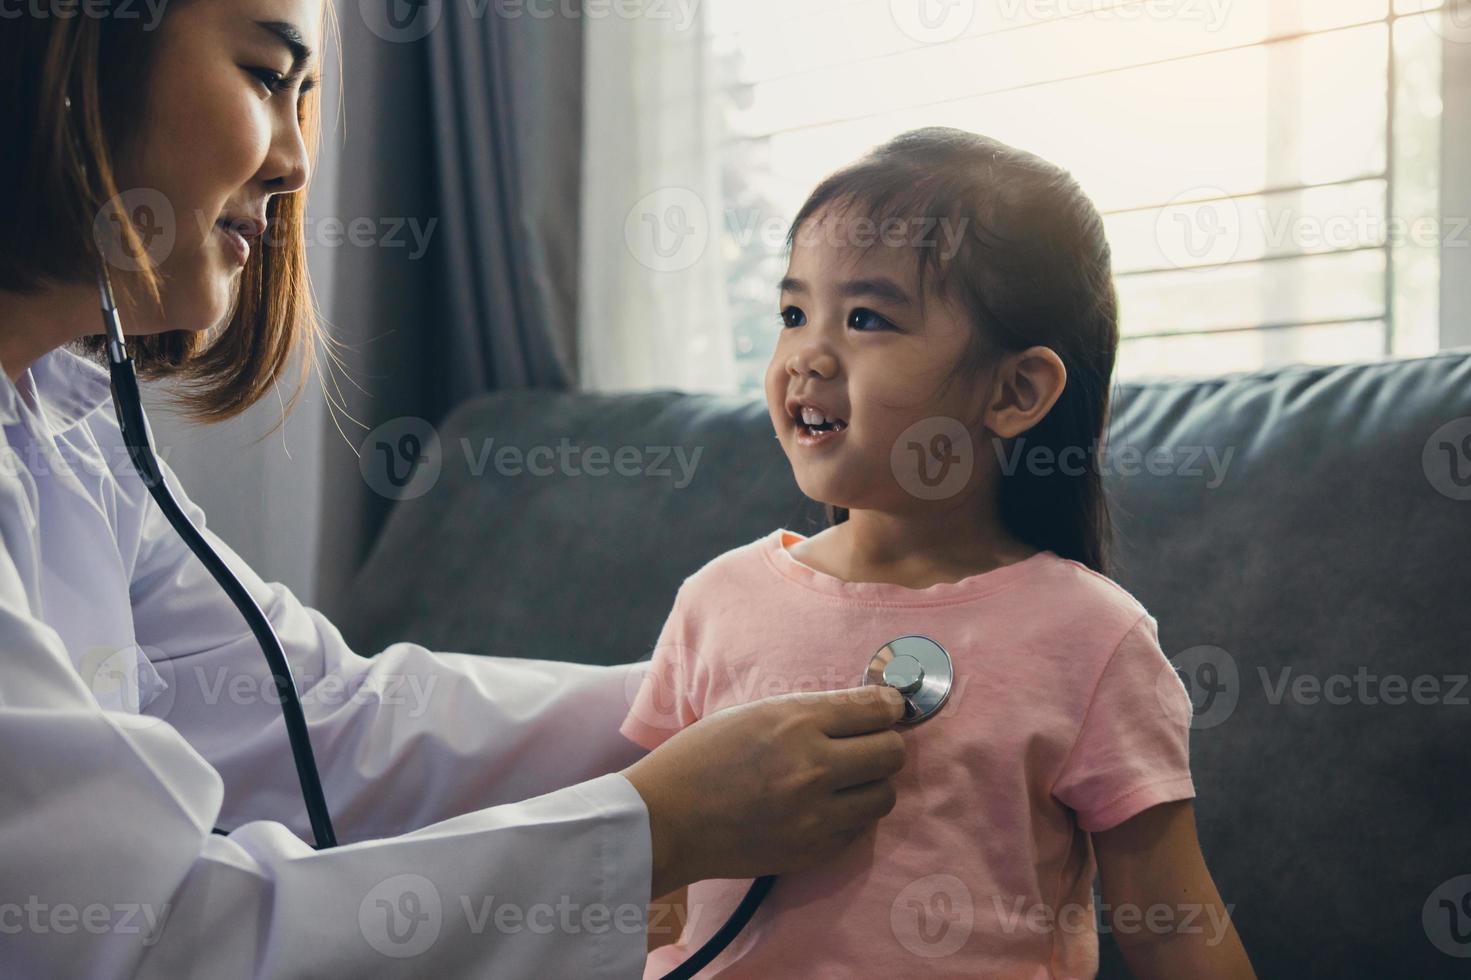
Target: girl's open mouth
<point x="813" y="428"/>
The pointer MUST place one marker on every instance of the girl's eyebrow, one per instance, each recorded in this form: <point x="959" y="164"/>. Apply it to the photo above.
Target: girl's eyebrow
<point x="880" y="287"/>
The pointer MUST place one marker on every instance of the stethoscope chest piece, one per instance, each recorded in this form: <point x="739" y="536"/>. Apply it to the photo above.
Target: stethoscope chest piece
<point x="919" y="668"/>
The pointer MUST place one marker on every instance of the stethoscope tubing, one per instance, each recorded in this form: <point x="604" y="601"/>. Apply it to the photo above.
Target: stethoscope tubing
<point x="134" y="424"/>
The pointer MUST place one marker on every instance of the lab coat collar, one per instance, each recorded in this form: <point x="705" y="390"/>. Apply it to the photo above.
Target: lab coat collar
<point x="65" y="386"/>
<point x="9" y="409"/>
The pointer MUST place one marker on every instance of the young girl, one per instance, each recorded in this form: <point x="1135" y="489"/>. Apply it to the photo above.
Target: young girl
<point x="941" y="383"/>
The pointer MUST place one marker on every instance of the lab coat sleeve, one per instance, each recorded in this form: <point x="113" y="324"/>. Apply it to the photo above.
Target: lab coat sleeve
<point x="109" y="868"/>
<point x="402" y="739"/>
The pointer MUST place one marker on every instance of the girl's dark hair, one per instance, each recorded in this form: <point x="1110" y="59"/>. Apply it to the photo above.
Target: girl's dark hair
<point x="1032" y="268"/>
<point x="60" y="171"/>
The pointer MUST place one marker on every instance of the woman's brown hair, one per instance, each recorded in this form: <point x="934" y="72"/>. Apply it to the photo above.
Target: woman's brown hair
<point x="58" y="167"/>
<point x="1033" y="268"/>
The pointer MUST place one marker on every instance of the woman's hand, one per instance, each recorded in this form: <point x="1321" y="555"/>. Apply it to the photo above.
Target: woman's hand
<point x="772" y="786"/>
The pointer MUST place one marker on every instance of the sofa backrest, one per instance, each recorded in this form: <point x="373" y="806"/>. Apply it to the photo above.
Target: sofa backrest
<point x="1302" y="536"/>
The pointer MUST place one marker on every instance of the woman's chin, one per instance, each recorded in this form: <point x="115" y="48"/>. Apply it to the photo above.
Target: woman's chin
<point x="202" y="312"/>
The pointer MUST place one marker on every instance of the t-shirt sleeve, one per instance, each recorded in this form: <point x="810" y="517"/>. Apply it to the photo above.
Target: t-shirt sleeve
<point x="1133" y="748"/>
<point x="670" y="695"/>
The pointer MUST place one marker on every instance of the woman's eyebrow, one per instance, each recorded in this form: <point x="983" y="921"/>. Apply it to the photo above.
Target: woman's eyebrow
<point x="288" y="35"/>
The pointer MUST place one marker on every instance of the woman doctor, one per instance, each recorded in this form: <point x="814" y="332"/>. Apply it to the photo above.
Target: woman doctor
<point x="493" y="824"/>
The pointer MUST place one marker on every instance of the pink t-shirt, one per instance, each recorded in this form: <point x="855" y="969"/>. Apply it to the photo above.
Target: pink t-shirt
<point x="1065" y="718"/>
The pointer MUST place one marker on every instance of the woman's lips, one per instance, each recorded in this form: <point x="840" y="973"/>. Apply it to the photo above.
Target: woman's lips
<point x="235" y="243"/>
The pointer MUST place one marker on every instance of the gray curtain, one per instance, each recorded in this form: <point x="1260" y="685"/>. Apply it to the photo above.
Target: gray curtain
<point x="506" y="102"/>
<point x="476" y="126"/>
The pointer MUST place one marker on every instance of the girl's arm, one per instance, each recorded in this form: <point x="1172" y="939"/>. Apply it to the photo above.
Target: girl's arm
<point x="1161" y="902"/>
<point x="667" y="915"/>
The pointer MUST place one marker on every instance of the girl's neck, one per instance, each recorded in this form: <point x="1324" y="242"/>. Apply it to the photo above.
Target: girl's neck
<point x="915" y="550"/>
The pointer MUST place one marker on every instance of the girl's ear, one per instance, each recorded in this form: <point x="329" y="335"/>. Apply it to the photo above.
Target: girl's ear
<point x="1026" y="386"/>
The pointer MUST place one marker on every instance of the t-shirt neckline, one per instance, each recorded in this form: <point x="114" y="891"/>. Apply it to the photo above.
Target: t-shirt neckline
<point x="972" y="586"/>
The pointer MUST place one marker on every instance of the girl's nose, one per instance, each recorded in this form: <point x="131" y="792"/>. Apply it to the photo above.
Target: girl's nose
<point x="812" y="361"/>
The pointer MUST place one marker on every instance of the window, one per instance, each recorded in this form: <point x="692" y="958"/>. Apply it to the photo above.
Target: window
<point x="1268" y="169"/>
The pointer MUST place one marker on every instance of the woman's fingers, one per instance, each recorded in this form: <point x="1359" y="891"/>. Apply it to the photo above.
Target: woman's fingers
<point x="858" y="710"/>
<point x="861" y="805"/>
<point x="861" y="759"/>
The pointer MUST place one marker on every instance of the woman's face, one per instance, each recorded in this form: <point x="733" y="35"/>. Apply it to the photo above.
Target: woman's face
<point x="857" y="344"/>
<point x="221" y="136"/>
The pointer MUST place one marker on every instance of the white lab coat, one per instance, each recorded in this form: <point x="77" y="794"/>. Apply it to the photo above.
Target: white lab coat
<point x="137" y="713"/>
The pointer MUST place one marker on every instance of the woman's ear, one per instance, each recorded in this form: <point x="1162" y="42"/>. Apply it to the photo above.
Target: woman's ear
<point x="1026" y="386"/>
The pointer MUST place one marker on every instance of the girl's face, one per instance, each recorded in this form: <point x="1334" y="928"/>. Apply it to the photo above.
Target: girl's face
<point x="857" y="345"/>
<point x="222" y="136"/>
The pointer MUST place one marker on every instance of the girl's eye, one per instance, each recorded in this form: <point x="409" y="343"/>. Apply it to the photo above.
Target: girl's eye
<point x="793" y="317"/>
<point x="868" y="320"/>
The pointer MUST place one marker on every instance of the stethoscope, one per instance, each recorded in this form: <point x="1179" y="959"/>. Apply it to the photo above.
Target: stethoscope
<point x="138" y="438"/>
<point x="916" y="665"/>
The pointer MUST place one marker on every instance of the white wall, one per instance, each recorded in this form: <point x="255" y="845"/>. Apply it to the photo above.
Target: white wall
<point x="1455" y="189"/>
<point x="261" y="496"/>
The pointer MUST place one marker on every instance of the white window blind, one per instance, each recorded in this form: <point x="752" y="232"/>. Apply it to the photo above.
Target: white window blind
<point x="1268" y="169"/>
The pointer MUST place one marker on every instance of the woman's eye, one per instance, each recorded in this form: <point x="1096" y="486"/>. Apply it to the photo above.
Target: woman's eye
<point x="793" y="317"/>
<point x="272" y="80"/>
<point x="865" y="319"/>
